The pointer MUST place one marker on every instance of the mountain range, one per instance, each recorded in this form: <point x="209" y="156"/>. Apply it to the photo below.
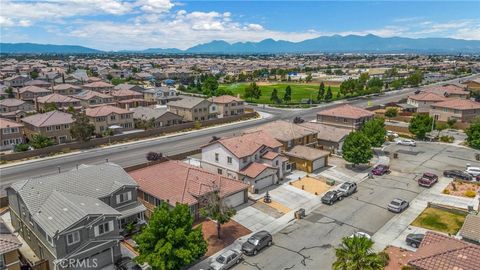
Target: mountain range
<point x="324" y="44"/>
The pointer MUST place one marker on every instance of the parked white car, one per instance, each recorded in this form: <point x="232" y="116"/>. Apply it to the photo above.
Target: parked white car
<point x="391" y="133"/>
<point x="407" y="142"/>
<point x="473" y="171"/>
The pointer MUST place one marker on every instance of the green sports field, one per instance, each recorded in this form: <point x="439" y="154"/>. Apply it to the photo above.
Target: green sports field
<point x="299" y="91"/>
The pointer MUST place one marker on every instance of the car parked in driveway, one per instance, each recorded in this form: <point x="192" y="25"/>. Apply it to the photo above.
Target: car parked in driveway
<point x="332" y="196"/>
<point x="127" y="263"/>
<point x="407" y="142"/>
<point x="348" y="188"/>
<point x="256" y="242"/>
<point x="428" y="180"/>
<point x="226" y="260"/>
<point x="397" y="205"/>
<point x="414" y="239"/>
<point x="380" y="169"/>
<point x="457" y="174"/>
<point x="473" y="171"/>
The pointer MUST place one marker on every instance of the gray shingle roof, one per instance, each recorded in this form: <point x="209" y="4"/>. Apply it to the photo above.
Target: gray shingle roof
<point x="471" y="228"/>
<point x="186" y="102"/>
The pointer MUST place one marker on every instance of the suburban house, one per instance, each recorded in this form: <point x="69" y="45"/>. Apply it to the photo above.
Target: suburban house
<point x="424" y="100"/>
<point x="38" y="83"/>
<point x="229" y="105"/>
<point x="54" y="125"/>
<point x="253" y="158"/>
<point x="9" y="245"/>
<point x="308" y="159"/>
<point x="60" y="102"/>
<point x="78" y="214"/>
<point x="13" y="108"/>
<point x="90" y="98"/>
<point x="126" y="86"/>
<point x="472" y="85"/>
<point x="160" y="95"/>
<point x="161" y="116"/>
<point x="441" y="252"/>
<point x="66" y="89"/>
<point x="470" y="230"/>
<point x="463" y="110"/>
<point x="110" y="117"/>
<point x="345" y="116"/>
<point x="98" y="86"/>
<point x="128" y="98"/>
<point x="11" y="133"/>
<point x="329" y="138"/>
<point x="289" y="134"/>
<point x="16" y="81"/>
<point x="177" y="182"/>
<point x="449" y="90"/>
<point x="193" y="108"/>
<point x="30" y="93"/>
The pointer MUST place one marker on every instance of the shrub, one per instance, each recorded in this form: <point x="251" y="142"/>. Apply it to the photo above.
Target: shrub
<point x="153" y="156"/>
<point x="447" y="139"/>
<point x="22" y="147"/>
<point x="197" y="125"/>
<point x="470" y="193"/>
<point x="384" y="257"/>
<point x="406" y="267"/>
<point x="446" y="191"/>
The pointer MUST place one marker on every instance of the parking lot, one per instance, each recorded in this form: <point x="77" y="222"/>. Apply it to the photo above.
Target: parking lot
<point x="310" y="243"/>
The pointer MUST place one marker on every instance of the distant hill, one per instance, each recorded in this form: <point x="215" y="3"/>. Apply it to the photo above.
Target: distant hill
<point x="323" y="44"/>
<point x="44" y="48"/>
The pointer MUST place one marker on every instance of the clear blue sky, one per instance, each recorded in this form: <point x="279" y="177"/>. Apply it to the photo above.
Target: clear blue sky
<point x="138" y="24"/>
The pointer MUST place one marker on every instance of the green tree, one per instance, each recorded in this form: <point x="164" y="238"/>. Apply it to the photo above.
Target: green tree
<point x="50" y="107"/>
<point x="39" y="141"/>
<point x="391" y="112"/>
<point x="357" y="148"/>
<point x="288" y="94"/>
<point x="34" y="74"/>
<point x="9" y="92"/>
<point x="210" y="86"/>
<point x="473" y="134"/>
<point x="364" y="77"/>
<point x="420" y="125"/>
<point x="216" y="209"/>
<point x="321" y="92"/>
<point x="109" y="77"/>
<point x="397" y="84"/>
<point x="309" y="77"/>
<point x="81" y="129"/>
<point x="375" y="85"/>
<point x="375" y="131"/>
<point x="415" y="79"/>
<point x="21" y="147"/>
<point x="274" y="97"/>
<point x="252" y="91"/>
<point x="169" y="242"/>
<point x="70" y="109"/>
<point x="329" y="95"/>
<point x="356" y="253"/>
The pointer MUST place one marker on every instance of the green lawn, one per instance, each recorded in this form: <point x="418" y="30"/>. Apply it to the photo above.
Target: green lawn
<point x="299" y="91"/>
<point x="440" y="220"/>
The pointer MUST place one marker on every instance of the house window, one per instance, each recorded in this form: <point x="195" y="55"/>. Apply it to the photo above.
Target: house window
<point x="49" y="128"/>
<point x="126" y="196"/>
<point x="58" y="127"/>
<point x="73" y="238"/>
<point x="2" y="262"/>
<point x="216" y="157"/>
<point x="104" y="228"/>
<point x="229" y="160"/>
<point x="112" y="117"/>
<point x="50" y="240"/>
<point x="219" y="171"/>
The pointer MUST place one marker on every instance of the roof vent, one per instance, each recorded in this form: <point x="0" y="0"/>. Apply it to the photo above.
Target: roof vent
<point x="50" y="218"/>
<point x="65" y="209"/>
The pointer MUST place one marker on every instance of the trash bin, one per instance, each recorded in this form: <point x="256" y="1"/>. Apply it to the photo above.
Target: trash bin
<point x="330" y="182"/>
<point x="300" y="213"/>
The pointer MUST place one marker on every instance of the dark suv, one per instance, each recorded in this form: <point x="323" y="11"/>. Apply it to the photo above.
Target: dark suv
<point x="332" y="196"/>
<point x="414" y="240"/>
<point x="256" y="242"/>
<point x="457" y="174"/>
<point x="428" y="180"/>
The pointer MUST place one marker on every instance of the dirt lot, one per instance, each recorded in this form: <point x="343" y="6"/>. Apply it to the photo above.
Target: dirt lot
<point x="311" y="185"/>
<point x="229" y="232"/>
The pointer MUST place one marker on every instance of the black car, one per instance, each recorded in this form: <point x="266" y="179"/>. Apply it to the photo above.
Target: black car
<point x="332" y="196"/>
<point x="457" y="174"/>
<point x="127" y="263"/>
<point x="256" y="242"/>
<point x="414" y="239"/>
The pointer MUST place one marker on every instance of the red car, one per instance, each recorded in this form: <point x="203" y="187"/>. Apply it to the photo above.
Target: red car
<point x="428" y="180"/>
<point x="380" y="169"/>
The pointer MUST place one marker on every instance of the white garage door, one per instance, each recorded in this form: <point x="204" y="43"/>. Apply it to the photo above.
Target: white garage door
<point x="319" y="163"/>
<point x="264" y="182"/>
<point x="236" y="199"/>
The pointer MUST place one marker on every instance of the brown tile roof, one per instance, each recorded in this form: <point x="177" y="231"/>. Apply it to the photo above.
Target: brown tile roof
<point x="186" y="102"/>
<point x="8" y="241"/>
<point x="126" y="93"/>
<point x="88" y="94"/>
<point x="105" y="110"/>
<point x="471" y="228"/>
<point x="177" y="181"/>
<point x="33" y="89"/>
<point x="98" y="84"/>
<point x="284" y="131"/>
<point x="346" y="111"/>
<point x="459" y="104"/>
<point x="449" y="89"/>
<point x="327" y="132"/>
<point x="308" y="153"/>
<point x="428" y="96"/>
<point x="6" y="123"/>
<point x="270" y="155"/>
<point x="38" y="83"/>
<point x="65" y="86"/>
<point x="254" y="169"/>
<point x="226" y="99"/>
<point x="248" y="143"/>
<point x="49" y="119"/>
<point x="56" y="98"/>
<point x="11" y="102"/>
<point x="440" y="252"/>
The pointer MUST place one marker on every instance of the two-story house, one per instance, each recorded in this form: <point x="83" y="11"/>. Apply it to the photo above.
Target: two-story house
<point x="462" y="110"/>
<point x="60" y="102"/>
<point x="345" y="115"/>
<point x="289" y="134"/>
<point x="160" y="95"/>
<point x="99" y="86"/>
<point x="9" y="245"/>
<point x="66" y="89"/>
<point x="110" y="117"/>
<point x="11" y="133"/>
<point x="126" y="86"/>
<point x="229" y="105"/>
<point x="424" y="100"/>
<point x="16" y="81"/>
<point x="54" y="125"/>
<point x="193" y="108"/>
<point x="160" y="117"/>
<point x="14" y="109"/>
<point x="89" y="98"/>
<point x="76" y="217"/>
<point x="449" y="90"/>
<point x="252" y="157"/>
<point x="126" y="98"/>
<point x="30" y="93"/>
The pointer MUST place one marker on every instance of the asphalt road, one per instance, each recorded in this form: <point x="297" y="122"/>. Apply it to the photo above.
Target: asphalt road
<point x="127" y="155"/>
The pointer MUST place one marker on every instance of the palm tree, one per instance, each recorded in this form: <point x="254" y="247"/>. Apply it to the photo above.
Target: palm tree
<point x="356" y="253"/>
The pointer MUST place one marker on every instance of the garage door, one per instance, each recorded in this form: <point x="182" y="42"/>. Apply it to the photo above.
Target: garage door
<point x="319" y="163"/>
<point x="236" y="199"/>
<point x="264" y="182"/>
<point x="103" y="258"/>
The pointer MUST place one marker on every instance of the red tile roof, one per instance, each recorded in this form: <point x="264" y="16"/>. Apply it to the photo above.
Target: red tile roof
<point x="428" y="96"/>
<point x="126" y="93"/>
<point x="105" y="110"/>
<point x="33" y="89"/>
<point x="440" y="252"/>
<point x="99" y="84"/>
<point x="66" y="86"/>
<point x="270" y="155"/>
<point x="56" y="98"/>
<point x="449" y="89"/>
<point x="254" y="169"/>
<point x="248" y="143"/>
<point x="49" y="119"/>
<point x="177" y="181"/>
<point x="459" y="104"/>
<point x="6" y="123"/>
<point x="226" y="99"/>
<point x="346" y="111"/>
